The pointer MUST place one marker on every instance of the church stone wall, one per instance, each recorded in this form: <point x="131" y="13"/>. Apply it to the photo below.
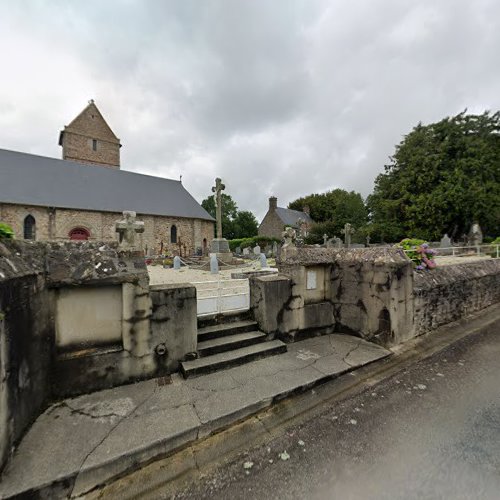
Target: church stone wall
<point x="55" y="224"/>
<point x="78" y="148"/>
<point x="14" y="216"/>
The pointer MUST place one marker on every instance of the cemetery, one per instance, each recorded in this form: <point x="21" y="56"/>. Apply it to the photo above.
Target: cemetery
<point x="77" y="318"/>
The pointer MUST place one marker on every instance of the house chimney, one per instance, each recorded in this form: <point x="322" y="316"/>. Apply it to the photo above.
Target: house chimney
<point x="306" y="210"/>
<point x="273" y="203"/>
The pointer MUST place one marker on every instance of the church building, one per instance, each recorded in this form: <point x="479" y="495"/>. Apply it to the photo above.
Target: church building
<point x="83" y="195"/>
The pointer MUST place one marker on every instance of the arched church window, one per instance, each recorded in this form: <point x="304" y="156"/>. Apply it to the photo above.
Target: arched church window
<point x="173" y="234"/>
<point x="29" y="227"/>
<point x="79" y="234"/>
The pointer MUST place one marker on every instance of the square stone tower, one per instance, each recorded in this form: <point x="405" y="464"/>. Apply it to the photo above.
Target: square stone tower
<point x="89" y="139"/>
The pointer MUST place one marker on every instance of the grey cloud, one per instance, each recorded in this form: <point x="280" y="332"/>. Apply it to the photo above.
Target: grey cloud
<point x="286" y="97"/>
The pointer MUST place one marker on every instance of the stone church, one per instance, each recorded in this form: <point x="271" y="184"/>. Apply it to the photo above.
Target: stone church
<point x="83" y="195"/>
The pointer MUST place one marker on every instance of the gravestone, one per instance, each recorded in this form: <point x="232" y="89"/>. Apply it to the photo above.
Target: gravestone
<point x="275" y="249"/>
<point x="256" y="250"/>
<point x="128" y="228"/>
<point x="238" y="251"/>
<point x="214" y="264"/>
<point x="475" y="235"/>
<point x="334" y="243"/>
<point x="325" y="239"/>
<point x="177" y="262"/>
<point x="445" y="242"/>
<point x="246" y="251"/>
<point x="263" y="261"/>
<point x="348" y="231"/>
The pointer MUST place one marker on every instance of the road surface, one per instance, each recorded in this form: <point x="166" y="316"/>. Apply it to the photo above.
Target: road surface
<point x="429" y="432"/>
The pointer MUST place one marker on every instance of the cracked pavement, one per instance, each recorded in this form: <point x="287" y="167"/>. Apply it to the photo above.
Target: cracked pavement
<point x="88" y="439"/>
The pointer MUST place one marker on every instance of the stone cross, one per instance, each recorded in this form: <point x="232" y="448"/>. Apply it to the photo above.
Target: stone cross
<point x="289" y="236"/>
<point x="217" y="190"/>
<point x="127" y="229"/>
<point x="348" y="231"/>
<point x="325" y="239"/>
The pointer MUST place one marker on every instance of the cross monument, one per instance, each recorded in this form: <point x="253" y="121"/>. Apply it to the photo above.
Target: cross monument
<point x="219" y="245"/>
<point x="127" y="229"/>
<point x="348" y="231"/>
<point x="217" y="190"/>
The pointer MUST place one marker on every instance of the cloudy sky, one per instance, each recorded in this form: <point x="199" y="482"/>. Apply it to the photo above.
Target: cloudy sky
<point x="282" y="97"/>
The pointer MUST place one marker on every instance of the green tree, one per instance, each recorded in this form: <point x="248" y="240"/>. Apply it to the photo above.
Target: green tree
<point x="245" y="225"/>
<point x="331" y="211"/>
<point x="235" y="223"/>
<point x="442" y="177"/>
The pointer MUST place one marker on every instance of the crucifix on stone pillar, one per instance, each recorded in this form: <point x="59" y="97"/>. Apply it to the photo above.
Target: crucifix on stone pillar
<point x="348" y="231"/>
<point x="127" y="229"/>
<point x="217" y="190"/>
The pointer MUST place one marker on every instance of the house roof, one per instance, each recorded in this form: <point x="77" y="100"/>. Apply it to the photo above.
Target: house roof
<point x="290" y="217"/>
<point x="38" y="180"/>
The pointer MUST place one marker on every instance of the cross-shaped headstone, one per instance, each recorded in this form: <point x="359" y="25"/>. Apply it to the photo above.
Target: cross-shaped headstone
<point x="127" y="229"/>
<point x="217" y="190"/>
<point x="348" y="231"/>
<point x="325" y="239"/>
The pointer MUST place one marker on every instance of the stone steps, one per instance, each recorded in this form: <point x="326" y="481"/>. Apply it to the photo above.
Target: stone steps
<point x="231" y="358"/>
<point x="225" y="345"/>
<point x="224" y="329"/>
<point x="229" y="342"/>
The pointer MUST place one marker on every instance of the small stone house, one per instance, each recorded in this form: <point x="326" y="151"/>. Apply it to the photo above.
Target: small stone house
<point x="83" y="195"/>
<point x="278" y="218"/>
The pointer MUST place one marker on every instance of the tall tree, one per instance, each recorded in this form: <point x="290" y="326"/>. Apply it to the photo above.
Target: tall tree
<point x="336" y="207"/>
<point x="245" y="225"/>
<point x="442" y="177"/>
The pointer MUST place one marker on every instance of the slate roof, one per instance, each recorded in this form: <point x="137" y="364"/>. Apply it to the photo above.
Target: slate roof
<point x="38" y="180"/>
<point x="290" y="217"/>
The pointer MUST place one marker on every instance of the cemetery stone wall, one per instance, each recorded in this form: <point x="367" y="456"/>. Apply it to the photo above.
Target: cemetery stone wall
<point x="451" y="293"/>
<point x="26" y="340"/>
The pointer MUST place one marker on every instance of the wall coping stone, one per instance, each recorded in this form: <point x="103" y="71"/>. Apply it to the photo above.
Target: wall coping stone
<point x="308" y="256"/>
<point x="71" y="263"/>
<point x="440" y="276"/>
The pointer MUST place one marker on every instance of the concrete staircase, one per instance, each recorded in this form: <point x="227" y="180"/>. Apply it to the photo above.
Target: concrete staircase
<point x="229" y="344"/>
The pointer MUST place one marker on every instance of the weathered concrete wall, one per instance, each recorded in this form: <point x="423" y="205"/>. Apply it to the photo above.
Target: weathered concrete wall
<point x="374" y="293"/>
<point x="88" y="316"/>
<point x="96" y="300"/>
<point x="453" y="292"/>
<point x="173" y="323"/>
<point x="26" y="340"/>
<point x="270" y="297"/>
<point x="364" y="291"/>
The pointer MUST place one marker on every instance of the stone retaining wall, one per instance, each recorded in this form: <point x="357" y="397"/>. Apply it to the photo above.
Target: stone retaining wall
<point x="79" y="317"/>
<point x="373" y="293"/>
<point x="450" y="293"/>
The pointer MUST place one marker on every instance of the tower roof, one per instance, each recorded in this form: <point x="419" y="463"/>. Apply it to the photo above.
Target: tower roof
<point x="91" y="123"/>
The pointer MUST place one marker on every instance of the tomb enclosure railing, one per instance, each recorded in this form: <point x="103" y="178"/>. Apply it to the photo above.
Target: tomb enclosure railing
<point x="469" y="250"/>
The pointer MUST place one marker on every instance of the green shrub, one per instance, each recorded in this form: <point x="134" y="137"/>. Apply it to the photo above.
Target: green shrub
<point x="6" y="231"/>
<point x="251" y="242"/>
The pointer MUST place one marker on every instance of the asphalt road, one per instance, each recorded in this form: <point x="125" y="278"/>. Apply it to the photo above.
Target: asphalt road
<point x="429" y="432"/>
